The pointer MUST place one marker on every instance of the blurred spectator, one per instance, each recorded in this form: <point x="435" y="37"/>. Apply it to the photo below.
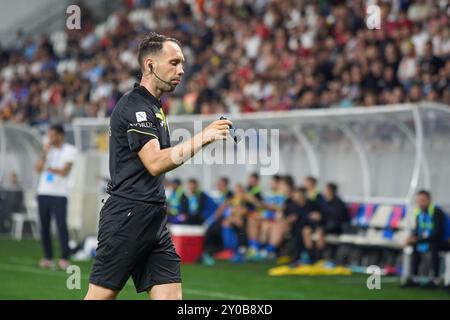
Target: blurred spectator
<point x="200" y="206"/>
<point x="334" y="211"/>
<point x="177" y="201"/>
<point x="429" y="62"/>
<point x="415" y="94"/>
<point x="11" y="200"/>
<point x="213" y="235"/>
<point x="233" y="231"/>
<point x="312" y="191"/>
<point x="428" y="236"/>
<point x="408" y="66"/>
<point x="310" y="222"/>
<point x="273" y="202"/>
<point x="284" y="222"/>
<point x="253" y="202"/>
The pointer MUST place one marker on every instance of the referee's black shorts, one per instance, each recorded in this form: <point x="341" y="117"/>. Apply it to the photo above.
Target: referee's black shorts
<point x="133" y="240"/>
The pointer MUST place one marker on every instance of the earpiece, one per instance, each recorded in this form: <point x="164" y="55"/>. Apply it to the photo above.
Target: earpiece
<point x="150" y="66"/>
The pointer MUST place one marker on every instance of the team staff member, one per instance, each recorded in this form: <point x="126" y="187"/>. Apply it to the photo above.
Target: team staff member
<point x="133" y="239"/>
<point x="54" y="167"/>
<point x="427" y="237"/>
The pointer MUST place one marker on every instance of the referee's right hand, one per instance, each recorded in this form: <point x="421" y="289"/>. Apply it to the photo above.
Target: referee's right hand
<point x="217" y="130"/>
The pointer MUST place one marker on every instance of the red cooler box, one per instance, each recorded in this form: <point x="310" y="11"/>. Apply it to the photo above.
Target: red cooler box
<point x="188" y="241"/>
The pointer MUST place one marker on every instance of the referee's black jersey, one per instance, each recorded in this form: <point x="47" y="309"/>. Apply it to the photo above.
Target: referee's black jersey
<point x="136" y="119"/>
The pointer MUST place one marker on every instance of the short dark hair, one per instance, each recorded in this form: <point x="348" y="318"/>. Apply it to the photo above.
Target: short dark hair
<point x="255" y="175"/>
<point x="176" y="181"/>
<point x="193" y="180"/>
<point x="312" y="179"/>
<point x="333" y="187"/>
<point x="425" y="193"/>
<point x="225" y="180"/>
<point x="276" y="177"/>
<point x="289" y="180"/>
<point x="302" y="190"/>
<point x="58" y="128"/>
<point x="152" y="43"/>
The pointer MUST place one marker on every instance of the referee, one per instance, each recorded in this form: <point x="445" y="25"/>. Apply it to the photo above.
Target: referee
<point x="133" y="239"/>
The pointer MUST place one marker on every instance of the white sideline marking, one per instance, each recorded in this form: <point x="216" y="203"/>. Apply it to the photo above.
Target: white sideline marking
<point x="35" y="270"/>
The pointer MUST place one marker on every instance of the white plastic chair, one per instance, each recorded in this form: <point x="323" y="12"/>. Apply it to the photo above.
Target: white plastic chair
<point x="29" y="216"/>
<point x="380" y="217"/>
<point x="447" y="269"/>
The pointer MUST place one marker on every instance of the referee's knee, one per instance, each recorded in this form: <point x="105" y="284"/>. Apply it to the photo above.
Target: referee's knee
<point x="99" y="293"/>
<point x="167" y="296"/>
<point x="170" y="291"/>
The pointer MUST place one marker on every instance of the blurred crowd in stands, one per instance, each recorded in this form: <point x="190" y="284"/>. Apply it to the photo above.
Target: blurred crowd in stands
<point x="244" y="223"/>
<point x="242" y="56"/>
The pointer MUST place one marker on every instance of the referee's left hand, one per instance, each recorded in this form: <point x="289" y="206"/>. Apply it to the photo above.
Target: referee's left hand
<point x="217" y="130"/>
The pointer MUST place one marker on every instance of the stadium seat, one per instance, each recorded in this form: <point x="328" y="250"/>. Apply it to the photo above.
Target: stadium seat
<point x="332" y="239"/>
<point x="30" y="216"/>
<point x="353" y="209"/>
<point x="397" y="217"/>
<point x="447" y="269"/>
<point x="381" y="216"/>
<point x="365" y="214"/>
<point x="376" y="225"/>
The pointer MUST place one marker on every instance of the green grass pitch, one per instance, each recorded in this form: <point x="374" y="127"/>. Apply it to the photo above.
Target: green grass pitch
<point x="20" y="278"/>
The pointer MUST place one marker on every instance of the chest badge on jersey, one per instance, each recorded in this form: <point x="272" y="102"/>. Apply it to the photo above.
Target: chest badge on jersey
<point x="141" y="116"/>
<point x="162" y="117"/>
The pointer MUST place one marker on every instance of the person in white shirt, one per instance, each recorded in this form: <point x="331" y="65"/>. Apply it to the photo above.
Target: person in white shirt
<point x="54" y="167"/>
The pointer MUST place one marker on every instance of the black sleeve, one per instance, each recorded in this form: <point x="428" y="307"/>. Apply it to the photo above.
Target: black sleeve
<point x="335" y="211"/>
<point x="289" y="208"/>
<point x="141" y="127"/>
<point x="184" y="204"/>
<point x="202" y="203"/>
<point x="285" y="207"/>
<point x="320" y="200"/>
<point x="314" y="206"/>
<point x="196" y="217"/>
<point x="415" y="231"/>
<point x="303" y="213"/>
<point x="439" y="226"/>
<point x="345" y="215"/>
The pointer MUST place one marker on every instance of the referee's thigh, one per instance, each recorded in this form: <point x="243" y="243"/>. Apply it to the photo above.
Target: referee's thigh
<point x="119" y="243"/>
<point x="161" y="264"/>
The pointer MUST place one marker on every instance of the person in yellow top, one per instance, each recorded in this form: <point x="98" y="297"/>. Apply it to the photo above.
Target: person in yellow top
<point x="238" y="210"/>
<point x="233" y="225"/>
<point x="254" y="205"/>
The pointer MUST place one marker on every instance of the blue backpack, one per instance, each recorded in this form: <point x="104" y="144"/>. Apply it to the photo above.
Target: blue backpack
<point x="446" y="227"/>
